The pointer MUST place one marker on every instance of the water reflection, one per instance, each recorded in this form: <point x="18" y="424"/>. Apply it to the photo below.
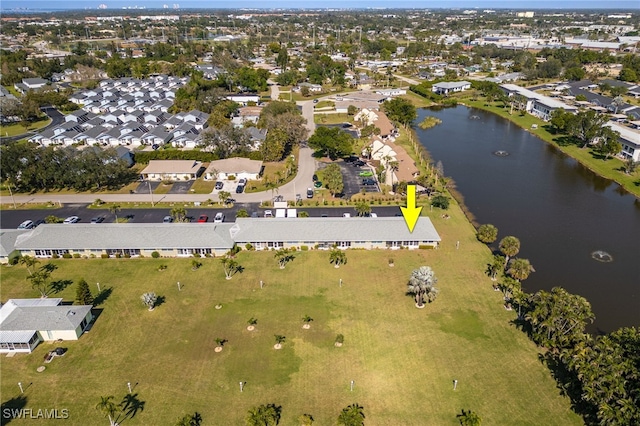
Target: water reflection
<point x="560" y="210"/>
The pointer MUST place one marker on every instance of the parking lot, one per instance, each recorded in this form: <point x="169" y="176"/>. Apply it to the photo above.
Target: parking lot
<point x="143" y="187"/>
<point x="181" y="187"/>
<point x="353" y="182"/>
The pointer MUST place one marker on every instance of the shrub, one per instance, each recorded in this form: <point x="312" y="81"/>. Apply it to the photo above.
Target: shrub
<point x="248" y="246"/>
<point x="76" y="255"/>
<point x="127" y="256"/>
<point x="196" y="255"/>
<point x="104" y="256"/>
<point x="231" y="177"/>
<point x="155" y="254"/>
<point x="92" y="256"/>
<point x="304" y="248"/>
<point x="425" y="247"/>
<point x="339" y="338"/>
<point x="55" y="256"/>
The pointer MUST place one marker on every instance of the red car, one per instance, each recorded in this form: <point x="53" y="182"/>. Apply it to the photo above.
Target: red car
<point x="203" y="218"/>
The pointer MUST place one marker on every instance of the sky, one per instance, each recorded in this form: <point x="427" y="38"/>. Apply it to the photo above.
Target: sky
<point x="339" y="4"/>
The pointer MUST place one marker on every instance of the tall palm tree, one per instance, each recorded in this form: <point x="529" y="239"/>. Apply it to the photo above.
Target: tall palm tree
<point x="179" y="214"/>
<point x="337" y="257"/>
<point x="487" y="233"/>
<point x="263" y="415"/>
<point x="509" y="246"/>
<point x="114" y="209"/>
<point x="29" y="262"/>
<point x="283" y="256"/>
<point x="468" y="418"/>
<point x="520" y="269"/>
<point x="362" y="208"/>
<point x="352" y="415"/>
<point x="108" y="408"/>
<point x="422" y="285"/>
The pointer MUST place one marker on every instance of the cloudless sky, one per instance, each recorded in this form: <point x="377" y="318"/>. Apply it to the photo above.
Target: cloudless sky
<point x="338" y="4"/>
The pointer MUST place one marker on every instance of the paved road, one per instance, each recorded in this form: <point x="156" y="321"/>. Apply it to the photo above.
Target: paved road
<point x="10" y="219"/>
<point x="56" y="119"/>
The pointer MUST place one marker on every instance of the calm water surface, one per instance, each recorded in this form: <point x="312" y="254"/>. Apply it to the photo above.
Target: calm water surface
<point x="560" y="211"/>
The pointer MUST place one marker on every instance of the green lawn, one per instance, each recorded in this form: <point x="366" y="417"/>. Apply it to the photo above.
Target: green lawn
<point x="403" y="360"/>
<point x="19" y="129"/>
<point x="332" y="118"/>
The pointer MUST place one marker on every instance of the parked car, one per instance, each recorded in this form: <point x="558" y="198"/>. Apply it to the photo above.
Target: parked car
<point x="218" y="218"/>
<point x="242" y="181"/>
<point x="368" y="181"/>
<point x="268" y="213"/>
<point x="230" y="201"/>
<point x="97" y="219"/>
<point x="315" y="178"/>
<point x="309" y="192"/>
<point x="358" y="163"/>
<point x="71" y="219"/>
<point x="203" y="218"/>
<point x="315" y="101"/>
<point x="346" y="214"/>
<point x="167" y="219"/>
<point x="374" y="214"/>
<point x="27" y="224"/>
<point x="318" y="184"/>
<point x="219" y="185"/>
<point x="239" y="189"/>
<point x="38" y="223"/>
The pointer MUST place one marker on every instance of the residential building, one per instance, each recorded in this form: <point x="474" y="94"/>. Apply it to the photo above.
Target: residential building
<point x="239" y="167"/>
<point x="24" y="323"/>
<point x="172" y="170"/>
<point x="447" y="87"/>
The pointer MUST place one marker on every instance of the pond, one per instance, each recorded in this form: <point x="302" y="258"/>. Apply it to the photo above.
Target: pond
<point x="579" y="231"/>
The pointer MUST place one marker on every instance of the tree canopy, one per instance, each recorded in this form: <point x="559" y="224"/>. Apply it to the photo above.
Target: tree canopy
<point x="332" y="142"/>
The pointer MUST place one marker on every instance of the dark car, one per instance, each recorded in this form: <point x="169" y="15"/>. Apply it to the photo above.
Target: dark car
<point x="219" y="185"/>
<point x="230" y="201"/>
<point x="368" y="181"/>
<point x="358" y="163"/>
<point x="239" y="189"/>
<point x="97" y="219"/>
<point x="315" y="178"/>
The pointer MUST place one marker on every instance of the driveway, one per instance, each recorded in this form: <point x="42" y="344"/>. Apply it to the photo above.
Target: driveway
<point x="143" y="187"/>
<point x="181" y="187"/>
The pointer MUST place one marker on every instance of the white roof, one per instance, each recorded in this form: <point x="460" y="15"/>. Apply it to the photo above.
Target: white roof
<point x="332" y="229"/>
<point x="629" y="135"/>
<point x="451" y="84"/>
<point x="172" y="166"/>
<point x="126" y="236"/>
<point x="235" y="165"/>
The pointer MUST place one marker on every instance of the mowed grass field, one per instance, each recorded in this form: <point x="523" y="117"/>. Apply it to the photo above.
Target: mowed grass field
<point x="403" y="360"/>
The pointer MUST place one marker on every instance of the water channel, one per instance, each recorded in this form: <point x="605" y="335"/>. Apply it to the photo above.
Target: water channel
<point x="564" y="215"/>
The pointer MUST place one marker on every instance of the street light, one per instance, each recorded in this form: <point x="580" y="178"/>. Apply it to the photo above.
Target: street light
<point x="241" y="386"/>
<point x="129" y="386"/>
<point x="352" y="383"/>
<point x="20" y="386"/>
<point x="150" y="193"/>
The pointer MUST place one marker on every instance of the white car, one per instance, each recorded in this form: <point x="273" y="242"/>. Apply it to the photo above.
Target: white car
<point x="346" y="214"/>
<point x="268" y="213"/>
<point x="27" y="224"/>
<point x="219" y="218"/>
<point x="71" y="219"/>
<point x="374" y="215"/>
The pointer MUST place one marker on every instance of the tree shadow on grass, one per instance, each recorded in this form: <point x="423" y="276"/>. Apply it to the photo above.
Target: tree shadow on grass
<point x="159" y="301"/>
<point x="57" y="286"/>
<point x="565" y="141"/>
<point x="130" y="405"/>
<point x="10" y="408"/>
<point x="102" y="296"/>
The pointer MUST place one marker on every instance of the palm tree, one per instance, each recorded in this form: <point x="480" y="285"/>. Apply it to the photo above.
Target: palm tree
<point x="284" y="256"/>
<point x="279" y="339"/>
<point x="487" y="233"/>
<point x="352" y="415"/>
<point x="307" y="320"/>
<point x="468" y="418"/>
<point x="509" y="246"/>
<point x="520" y="269"/>
<point x="194" y="419"/>
<point x="264" y="415"/>
<point x="29" y="262"/>
<point x="108" y="408"/>
<point x="231" y="266"/>
<point x="149" y="300"/>
<point x="337" y="257"/>
<point x="422" y="285"/>
<point x="496" y="265"/>
<point x="114" y="209"/>
<point x="223" y="196"/>
<point x="179" y="214"/>
<point x="363" y="208"/>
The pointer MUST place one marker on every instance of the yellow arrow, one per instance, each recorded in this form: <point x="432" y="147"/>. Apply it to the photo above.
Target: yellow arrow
<point x="411" y="212"/>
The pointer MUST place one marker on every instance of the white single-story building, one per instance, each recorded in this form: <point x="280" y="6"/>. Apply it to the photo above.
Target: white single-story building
<point x="446" y="87"/>
<point x="8" y="242"/>
<point x="126" y="239"/>
<point x="244" y="100"/>
<point x="172" y="170"/>
<point x="343" y="232"/>
<point x="629" y="139"/>
<point x="24" y="323"/>
<point x="534" y="103"/>
<point x="240" y="167"/>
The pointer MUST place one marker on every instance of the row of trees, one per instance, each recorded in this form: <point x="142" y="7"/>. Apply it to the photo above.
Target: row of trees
<point x="587" y="129"/>
<point x="600" y="374"/>
<point x="29" y="167"/>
